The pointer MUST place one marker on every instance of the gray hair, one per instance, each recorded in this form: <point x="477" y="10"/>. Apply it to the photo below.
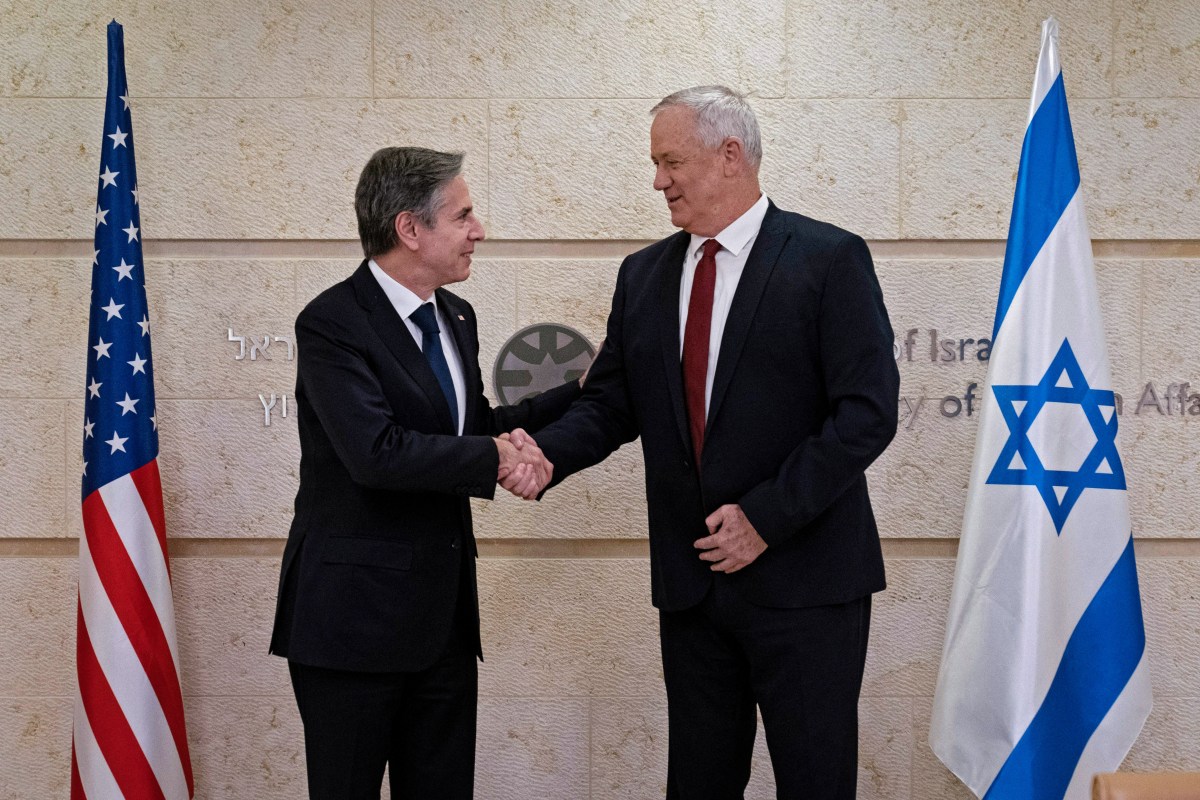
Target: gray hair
<point x="400" y="179"/>
<point x="720" y="113"/>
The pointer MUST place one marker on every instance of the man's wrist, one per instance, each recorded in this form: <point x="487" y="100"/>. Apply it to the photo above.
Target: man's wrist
<point x="507" y="457"/>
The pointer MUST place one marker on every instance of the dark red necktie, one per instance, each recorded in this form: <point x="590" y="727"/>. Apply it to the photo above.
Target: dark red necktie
<point x="695" y="343"/>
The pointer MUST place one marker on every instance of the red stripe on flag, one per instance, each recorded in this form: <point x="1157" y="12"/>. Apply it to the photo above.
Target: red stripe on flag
<point x="149" y="486"/>
<point x="138" y="617"/>
<point x="77" y="792"/>
<point x="115" y="738"/>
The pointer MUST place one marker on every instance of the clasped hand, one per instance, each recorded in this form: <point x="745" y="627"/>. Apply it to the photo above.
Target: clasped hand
<point x="732" y="541"/>
<point x="524" y="469"/>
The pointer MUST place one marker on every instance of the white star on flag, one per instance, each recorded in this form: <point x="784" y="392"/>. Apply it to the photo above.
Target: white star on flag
<point x="113" y="309"/>
<point x="123" y="270"/>
<point x="132" y="231"/>
<point x="124" y="98"/>
<point x="138" y="364"/>
<point x="135" y="196"/>
<point x="87" y="428"/>
<point x="127" y="405"/>
<point x="154" y="421"/>
<point x="101" y="349"/>
<point x="116" y="443"/>
<point x="95" y="255"/>
<point x="144" y="325"/>
<point x="94" y="388"/>
<point x="118" y="138"/>
<point x="101" y="213"/>
<point x="109" y="177"/>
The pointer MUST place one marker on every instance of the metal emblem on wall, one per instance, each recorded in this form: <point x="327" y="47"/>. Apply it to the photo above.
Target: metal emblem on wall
<point x="537" y="358"/>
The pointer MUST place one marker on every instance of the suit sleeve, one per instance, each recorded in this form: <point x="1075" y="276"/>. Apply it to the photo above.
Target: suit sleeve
<point x="862" y="387"/>
<point x="535" y="413"/>
<point x="363" y="428"/>
<point x="602" y="419"/>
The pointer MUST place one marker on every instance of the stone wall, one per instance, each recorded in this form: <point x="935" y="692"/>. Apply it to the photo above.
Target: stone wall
<point x="899" y="120"/>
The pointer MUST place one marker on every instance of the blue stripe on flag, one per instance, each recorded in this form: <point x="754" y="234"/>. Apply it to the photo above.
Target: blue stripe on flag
<point x="1099" y="660"/>
<point x="1047" y="179"/>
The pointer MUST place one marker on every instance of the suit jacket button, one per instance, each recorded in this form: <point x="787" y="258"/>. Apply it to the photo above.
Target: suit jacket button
<point x="454" y="544"/>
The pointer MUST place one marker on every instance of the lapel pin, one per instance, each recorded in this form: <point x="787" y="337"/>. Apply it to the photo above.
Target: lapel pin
<point x="461" y="317"/>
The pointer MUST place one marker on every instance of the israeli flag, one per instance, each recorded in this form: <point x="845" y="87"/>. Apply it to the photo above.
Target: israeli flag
<point x="1043" y="680"/>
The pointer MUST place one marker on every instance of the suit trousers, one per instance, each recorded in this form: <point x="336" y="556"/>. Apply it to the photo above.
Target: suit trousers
<point x="420" y="725"/>
<point x="801" y="667"/>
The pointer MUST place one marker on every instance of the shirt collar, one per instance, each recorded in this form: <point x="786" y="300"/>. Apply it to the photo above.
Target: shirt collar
<point x="401" y="297"/>
<point x="740" y="232"/>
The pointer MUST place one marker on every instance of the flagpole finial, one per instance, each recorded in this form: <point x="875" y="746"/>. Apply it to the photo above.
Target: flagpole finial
<point x="1050" y="29"/>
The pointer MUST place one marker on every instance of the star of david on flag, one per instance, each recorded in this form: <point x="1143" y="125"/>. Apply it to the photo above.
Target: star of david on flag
<point x="1043" y="681"/>
<point x="129" y="740"/>
<point x="1019" y="463"/>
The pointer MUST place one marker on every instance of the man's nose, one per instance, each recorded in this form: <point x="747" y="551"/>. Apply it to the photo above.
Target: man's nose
<point x="661" y="181"/>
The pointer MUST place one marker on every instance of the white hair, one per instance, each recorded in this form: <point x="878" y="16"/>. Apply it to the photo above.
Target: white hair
<point x="720" y="113"/>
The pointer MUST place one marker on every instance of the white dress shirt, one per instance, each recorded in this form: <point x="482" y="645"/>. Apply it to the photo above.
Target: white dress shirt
<point x="736" y="242"/>
<point x="405" y="303"/>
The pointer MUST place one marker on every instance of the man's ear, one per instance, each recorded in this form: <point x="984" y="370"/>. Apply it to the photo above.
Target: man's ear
<point x="406" y="229"/>
<point x="733" y="156"/>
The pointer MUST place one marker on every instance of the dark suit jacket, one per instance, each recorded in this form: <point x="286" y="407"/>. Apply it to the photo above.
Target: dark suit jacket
<point x="804" y="399"/>
<point x="373" y="561"/>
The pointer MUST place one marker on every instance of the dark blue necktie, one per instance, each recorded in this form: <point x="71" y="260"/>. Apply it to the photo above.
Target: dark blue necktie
<point x="432" y="347"/>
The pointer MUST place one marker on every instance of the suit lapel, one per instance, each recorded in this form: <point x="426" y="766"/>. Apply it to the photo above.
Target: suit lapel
<point x="761" y="263"/>
<point x="669" y="271"/>
<point x="399" y="340"/>
<point x="467" y="354"/>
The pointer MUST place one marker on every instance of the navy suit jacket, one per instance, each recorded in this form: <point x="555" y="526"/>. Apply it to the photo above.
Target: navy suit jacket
<point x="373" y="562"/>
<point x="804" y="399"/>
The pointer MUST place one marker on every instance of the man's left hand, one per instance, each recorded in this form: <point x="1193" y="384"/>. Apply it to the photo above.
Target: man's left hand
<point x="732" y="542"/>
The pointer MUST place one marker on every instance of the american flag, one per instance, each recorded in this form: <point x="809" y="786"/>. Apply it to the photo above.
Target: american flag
<point x="129" y="736"/>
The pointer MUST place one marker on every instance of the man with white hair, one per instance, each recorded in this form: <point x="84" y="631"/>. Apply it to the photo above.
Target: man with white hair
<point x="752" y="353"/>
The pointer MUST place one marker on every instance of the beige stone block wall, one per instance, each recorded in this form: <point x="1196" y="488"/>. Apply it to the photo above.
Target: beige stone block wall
<point x="35" y="735"/>
<point x="888" y="48"/>
<point x="630" y="49"/>
<point x="300" y="49"/>
<point x="902" y="121"/>
<point x="1155" y="55"/>
<point x="31" y="445"/>
<point x="43" y="321"/>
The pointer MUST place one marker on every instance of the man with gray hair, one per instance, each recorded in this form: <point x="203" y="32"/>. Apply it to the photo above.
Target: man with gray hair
<point x="752" y="353"/>
<point x="378" y="614"/>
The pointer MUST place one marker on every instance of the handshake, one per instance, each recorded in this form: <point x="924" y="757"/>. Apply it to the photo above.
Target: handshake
<point x="524" y="469"/>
